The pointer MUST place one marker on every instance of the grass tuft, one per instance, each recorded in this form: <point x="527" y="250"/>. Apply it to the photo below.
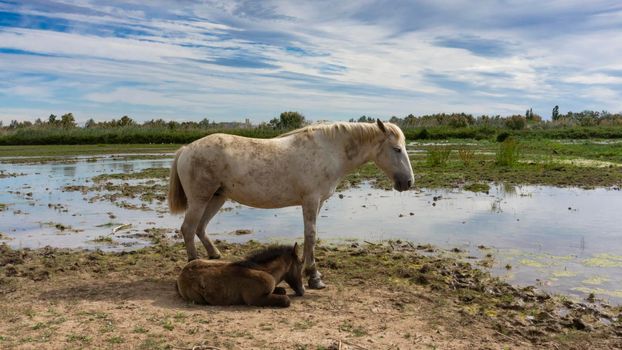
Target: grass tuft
<point x="438" y="155"/>
<point x="508" y="152"/>
<point x="466" y="156"/>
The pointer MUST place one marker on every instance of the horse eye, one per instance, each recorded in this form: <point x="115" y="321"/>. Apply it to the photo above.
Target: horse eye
<point x="397" y="149"/>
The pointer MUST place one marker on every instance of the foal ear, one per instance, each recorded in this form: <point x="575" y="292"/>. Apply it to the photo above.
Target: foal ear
<point x="296" y="250"/>
<point x="381" y="125"/>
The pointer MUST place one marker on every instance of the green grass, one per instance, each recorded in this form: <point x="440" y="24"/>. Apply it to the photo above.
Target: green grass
<point x="76" y="150"/>
<point x="115" y="340"/>
<point x="438" y="155"/>
<point x="104" y="239"/>
<point x="79" y="338"/>
<point x="119" y="135"/>
<point x="466" y="156"/>
<point x="165" y="135"/>
<point x="541" y="162"/>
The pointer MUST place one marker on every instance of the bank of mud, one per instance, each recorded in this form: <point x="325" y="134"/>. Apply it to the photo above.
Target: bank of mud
<point x="391" y="295"/>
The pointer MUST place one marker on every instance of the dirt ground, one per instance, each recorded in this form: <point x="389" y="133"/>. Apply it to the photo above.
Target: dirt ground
<point x="378" y="297"/>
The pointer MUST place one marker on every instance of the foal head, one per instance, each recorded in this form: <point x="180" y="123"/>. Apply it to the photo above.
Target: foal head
<point x="282" y="258"/>
<point x="293" y="276"/>
<point x="392" y="158"/>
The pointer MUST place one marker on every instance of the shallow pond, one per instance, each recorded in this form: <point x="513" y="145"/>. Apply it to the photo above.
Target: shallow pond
<point x="563" y="239"/>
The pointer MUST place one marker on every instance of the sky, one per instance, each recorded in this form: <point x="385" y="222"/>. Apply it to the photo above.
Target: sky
<point x="330" y="60"/>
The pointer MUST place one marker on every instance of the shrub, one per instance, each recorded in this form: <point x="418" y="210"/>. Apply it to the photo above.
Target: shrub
<point x="508" y="152"/>
<point x="516" y="122"/>
<point x="423" y="134"/>
<point x="502" y="136"/>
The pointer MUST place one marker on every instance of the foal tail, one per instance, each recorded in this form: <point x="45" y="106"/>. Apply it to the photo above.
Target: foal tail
<point x="177" y="201"/>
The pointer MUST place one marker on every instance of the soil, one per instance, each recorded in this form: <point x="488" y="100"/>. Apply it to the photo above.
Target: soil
<point x="393" y="295"/>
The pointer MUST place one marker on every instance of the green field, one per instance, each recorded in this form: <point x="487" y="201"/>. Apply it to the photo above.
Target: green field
<point x="162" y="135"/>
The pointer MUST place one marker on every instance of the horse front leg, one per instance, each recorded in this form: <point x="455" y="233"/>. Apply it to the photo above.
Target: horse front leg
<point x="310" y="211"/>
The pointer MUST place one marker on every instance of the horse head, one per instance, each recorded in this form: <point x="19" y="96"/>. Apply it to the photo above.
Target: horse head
<point x="391" y="157"/>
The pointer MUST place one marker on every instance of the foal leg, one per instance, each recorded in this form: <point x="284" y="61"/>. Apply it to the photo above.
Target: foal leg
<point x="310" y="210"/>
<point x="278" y="300"/>
<point x="279" y="290"/>
<point x="194" y="212"/>
<point x="212" y="208"/>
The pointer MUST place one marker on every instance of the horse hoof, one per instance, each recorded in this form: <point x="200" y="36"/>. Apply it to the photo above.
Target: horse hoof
<point x="215" y="256"/>
<point x="316" y="283"/>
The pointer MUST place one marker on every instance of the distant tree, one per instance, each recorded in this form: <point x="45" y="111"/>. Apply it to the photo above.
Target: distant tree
<point x="366" y="119"/>
<point x="395" y="120"/>
<point x="288" y="120"/>
<point x="292" y="120"/>
<point x="126" y="121"/>
<point x="14" y="124"/>
<point x="516" y="122"/>
<point x="38" y="122"/>
<point x="156" y="123"/>
<point x="67" y="121"/>
<point x="204" y="123"/>
<point x="89" y="123"/>
<point x="458" y="121"/>
<point x="555" y="113"/>
<point x="52" y="120"/>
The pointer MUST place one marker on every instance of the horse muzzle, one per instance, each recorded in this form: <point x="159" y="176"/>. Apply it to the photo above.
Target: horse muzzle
<point x="402" y="182"/>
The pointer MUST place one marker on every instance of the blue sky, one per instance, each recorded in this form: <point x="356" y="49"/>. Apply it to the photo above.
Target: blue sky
<point x="330" y="60"/>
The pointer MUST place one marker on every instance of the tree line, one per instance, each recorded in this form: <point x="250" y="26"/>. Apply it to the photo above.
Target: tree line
<point x="290" y="120"/>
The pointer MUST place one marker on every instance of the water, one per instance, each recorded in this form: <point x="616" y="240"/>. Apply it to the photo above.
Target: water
<point x="564" y="239"/>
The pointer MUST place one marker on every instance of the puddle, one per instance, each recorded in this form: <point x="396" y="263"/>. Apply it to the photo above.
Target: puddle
<point x="563" y="239"/>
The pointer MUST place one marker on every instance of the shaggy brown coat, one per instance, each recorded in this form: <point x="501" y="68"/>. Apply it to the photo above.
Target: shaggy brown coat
<point x="252" y="281"/>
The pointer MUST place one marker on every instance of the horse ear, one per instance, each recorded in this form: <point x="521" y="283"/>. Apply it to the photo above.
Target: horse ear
<point x="381" y="125"/>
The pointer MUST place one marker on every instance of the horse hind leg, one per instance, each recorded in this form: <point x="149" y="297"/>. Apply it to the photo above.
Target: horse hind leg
<point x="193" y="216"/>
<point x="211" y="209"/>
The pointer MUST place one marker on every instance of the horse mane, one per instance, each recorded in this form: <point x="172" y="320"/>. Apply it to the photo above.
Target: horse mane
<point x="265" y="256"/>
<point x="363" y="132"/>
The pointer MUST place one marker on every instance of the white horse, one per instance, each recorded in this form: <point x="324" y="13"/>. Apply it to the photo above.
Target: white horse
<point x="302" y="167"/>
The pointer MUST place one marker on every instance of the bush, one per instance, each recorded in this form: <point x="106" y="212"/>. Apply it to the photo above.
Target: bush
<point x="508" y="152"/>
<point x="516" y="122"/>
<point x="503" y="136"/>
<point x="423" y="134"/>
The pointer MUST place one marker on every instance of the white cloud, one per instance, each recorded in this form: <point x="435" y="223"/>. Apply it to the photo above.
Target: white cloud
<point x="214" y="60"/>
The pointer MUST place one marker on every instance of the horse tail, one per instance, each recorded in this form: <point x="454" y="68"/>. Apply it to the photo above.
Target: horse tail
<point x="177" y="200"/>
